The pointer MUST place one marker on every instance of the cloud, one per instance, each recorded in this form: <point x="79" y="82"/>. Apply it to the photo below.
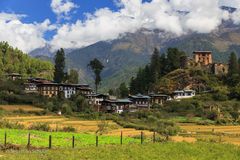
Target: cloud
<point x="62" y="8"/>
<point x="174" y="16"/>
<point x="22" y="35"/>
<point x="230" y="3"/>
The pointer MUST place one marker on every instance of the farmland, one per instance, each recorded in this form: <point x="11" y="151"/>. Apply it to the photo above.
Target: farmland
<point x="81" y="126"/>
<point x="170" y="151"/>
<point x="212" y="133"/>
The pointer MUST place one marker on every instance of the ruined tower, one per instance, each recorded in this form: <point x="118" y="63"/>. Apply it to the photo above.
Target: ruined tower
<point x="203" y="57"/>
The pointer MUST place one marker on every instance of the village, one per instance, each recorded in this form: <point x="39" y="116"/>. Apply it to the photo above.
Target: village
<point x="110" y="104"/>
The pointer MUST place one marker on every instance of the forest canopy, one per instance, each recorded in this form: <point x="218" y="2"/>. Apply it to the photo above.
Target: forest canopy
<point x="12" y="60"/>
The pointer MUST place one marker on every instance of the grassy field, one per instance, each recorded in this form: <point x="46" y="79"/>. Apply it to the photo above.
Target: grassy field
<point x="159" y="151"/>
<point x="59" y="139"/>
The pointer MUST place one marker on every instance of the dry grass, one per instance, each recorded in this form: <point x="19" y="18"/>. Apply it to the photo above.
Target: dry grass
<point x="224" y="134"/>
<point x="81" y="126"/>
<point x="20" y="107"/>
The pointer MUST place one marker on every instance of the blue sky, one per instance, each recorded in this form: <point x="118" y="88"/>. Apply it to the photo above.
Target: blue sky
<point x="39" y="10"/>
<point x="30" y="24"/>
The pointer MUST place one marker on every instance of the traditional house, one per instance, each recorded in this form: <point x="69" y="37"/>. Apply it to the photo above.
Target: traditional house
<point x="96" y="99"/>
<point x="14" y="76"/>
<point x="48" y="89"/>
<point x="30" y="88"/>
<point x="140" y="101"/>
<point x="84" y="89"/>
<point x="182" y="94"/>
<point x="38" y="80"/>
<point x="158" y="99"/>
<point x="68" y="89"/>
<point x="115" y="106"/>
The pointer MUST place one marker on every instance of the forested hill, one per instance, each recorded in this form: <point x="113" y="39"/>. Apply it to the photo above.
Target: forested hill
<point x="12" y="60"/>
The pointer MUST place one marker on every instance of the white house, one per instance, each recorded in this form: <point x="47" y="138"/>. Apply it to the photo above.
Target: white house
<point x="68" y="90"/>
<point x="182" y="94"/>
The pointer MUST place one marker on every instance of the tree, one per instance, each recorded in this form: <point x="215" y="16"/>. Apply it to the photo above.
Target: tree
<point x="155" y="65"/>
<point x="72" y="77"/>
<point x="233" y="64"/>
<point x="59" y="66"/>
<point x="123" y="90"/>
<point x="173" y="59"/>
<point x="97" y="68"/>
<point x="163" y="64"/>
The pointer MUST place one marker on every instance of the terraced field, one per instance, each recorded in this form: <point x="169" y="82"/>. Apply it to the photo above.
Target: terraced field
<point x="224" y="134"/>
<point x="81" y="126"/>
<point x="20" y="107"/>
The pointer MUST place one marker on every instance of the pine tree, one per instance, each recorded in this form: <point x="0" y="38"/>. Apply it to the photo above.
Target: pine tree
<point x="97" y="68"/>
<point x="233" y="64"/>
<point x="163" y="64"/>
<point x="59" y="74"/>
<point x="155" y="65"/>
<point x="173" y="59"/>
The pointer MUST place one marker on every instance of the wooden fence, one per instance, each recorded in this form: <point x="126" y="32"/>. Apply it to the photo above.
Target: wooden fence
<point x="97" y="142"/>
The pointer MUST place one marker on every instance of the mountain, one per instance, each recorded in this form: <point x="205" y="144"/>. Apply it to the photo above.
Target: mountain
<point x="44" y="51"/>
<point x="123" y="56"/>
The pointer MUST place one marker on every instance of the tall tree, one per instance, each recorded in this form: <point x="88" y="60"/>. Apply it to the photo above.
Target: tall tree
<point x="97" y="68"/>
<point x="59" y="74"/>
<point x="174" y="59"/>
<point x="233" y="64"/>
<point x="123" y="90"/>
<point x="155" y="65"/>
<point x="72" y="77"/>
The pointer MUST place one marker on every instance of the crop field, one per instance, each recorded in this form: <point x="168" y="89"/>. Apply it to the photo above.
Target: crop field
<point x="20" y="107"/>
<point x="81" y="126"/>
<point x="157" y="151"/>
<point x="224" y="134"/>
<point x="59" y="139"/>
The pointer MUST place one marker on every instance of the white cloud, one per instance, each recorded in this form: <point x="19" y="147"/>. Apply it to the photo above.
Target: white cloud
<point x="174" y="16"/>
<point x="62" y="8"/>
<point x="230" y="3"/>
<point x="22" y="35"/>
<point x="203" y="16"/>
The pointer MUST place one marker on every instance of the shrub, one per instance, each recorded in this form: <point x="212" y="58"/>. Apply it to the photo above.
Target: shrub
<point x="40" y="127"/>
<point x="68" y="129"/>
<point x="7" y="124"/>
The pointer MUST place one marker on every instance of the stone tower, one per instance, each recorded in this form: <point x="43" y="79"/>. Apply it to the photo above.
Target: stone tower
<point x="203" y="57"/>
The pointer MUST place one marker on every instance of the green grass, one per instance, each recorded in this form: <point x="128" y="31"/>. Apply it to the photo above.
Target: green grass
<point x="160" y="151"/>
<point x="59" y="139"/>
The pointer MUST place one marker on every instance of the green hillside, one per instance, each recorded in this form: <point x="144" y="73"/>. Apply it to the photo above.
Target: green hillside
<point x="12" y="60"/>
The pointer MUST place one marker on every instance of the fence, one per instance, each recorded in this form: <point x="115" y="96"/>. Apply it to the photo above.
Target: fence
<point x="72" y="140"/>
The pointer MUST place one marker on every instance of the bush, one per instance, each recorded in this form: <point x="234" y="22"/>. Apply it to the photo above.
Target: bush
<point x="66" y="109"/>
<point x="68" y="129"/>
<point x="40" y="127"/>
<point x="9" y="125"/>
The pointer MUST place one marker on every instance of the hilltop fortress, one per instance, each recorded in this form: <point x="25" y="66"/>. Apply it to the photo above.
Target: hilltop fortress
<point x="204" y="60"/>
